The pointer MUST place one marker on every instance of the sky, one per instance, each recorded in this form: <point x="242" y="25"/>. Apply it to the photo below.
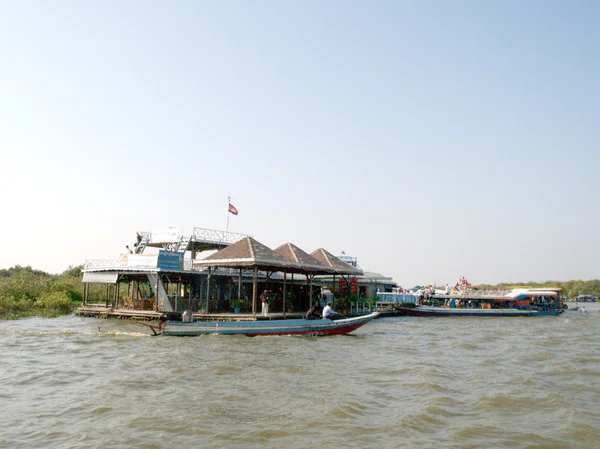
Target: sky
<point x="430" y="139"/>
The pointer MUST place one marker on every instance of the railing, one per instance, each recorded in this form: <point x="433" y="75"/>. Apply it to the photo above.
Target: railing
<point x="101" y="263"/>
<point x="397" y="298"/>
<point x="214" y="236"/>
<point x="492" y="292"/>
<point x="349" y="260"/>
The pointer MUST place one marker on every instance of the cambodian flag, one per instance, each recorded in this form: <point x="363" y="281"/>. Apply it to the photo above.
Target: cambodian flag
<point x="232" y="210"/>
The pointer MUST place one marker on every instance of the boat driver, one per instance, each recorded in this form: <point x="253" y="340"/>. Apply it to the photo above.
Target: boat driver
<point x="328" y="312"/>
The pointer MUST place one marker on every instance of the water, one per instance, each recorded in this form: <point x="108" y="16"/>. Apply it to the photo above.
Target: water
<point x="77" y="382"/>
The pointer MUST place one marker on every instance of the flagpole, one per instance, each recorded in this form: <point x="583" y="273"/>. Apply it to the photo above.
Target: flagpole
<point x="228" y="203"/>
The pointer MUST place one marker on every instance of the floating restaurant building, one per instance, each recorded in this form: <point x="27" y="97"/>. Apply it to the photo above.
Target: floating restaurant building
<point x="155" y="278"/>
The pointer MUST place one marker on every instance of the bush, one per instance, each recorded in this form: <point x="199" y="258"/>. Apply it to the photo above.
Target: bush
<point x="54" y="303"/>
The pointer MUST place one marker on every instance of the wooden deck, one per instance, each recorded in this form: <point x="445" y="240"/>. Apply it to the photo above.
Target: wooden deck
<point x="100" y="311"/>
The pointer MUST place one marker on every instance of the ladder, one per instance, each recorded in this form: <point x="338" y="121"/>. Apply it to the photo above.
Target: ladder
<point x="184" y="242"/>
<point x="143" y="243"/>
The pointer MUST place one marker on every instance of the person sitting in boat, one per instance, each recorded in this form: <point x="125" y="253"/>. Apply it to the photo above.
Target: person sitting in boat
<point x="329" y="313"/>
<point x="312" y="313"/>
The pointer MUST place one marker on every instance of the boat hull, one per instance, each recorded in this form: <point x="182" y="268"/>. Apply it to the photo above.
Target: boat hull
<point x="445" y="311"/>
<point x="267" y="327"/>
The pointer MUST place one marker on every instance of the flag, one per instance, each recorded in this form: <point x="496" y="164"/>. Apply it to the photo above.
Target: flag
<point x="232" y="210"/>
<point x="343" y="253"/>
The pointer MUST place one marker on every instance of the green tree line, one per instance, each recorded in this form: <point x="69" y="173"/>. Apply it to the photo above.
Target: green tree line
<point x="25" y="291"/>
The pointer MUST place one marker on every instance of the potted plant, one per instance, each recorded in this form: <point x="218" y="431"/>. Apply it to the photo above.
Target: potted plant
<point x="342" y="304"/>
<point x="289" y="301"/>
<point x="237" y="305"/>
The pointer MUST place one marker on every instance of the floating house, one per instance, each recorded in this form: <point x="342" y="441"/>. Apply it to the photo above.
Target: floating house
<point x="156" y="278"/>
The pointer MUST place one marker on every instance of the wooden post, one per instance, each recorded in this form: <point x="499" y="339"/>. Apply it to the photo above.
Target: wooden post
<point x="254" y="287"/>
<point x="229" y="292"/>
<point x="117" y="295"/>
<point x="207" y="290"/>
<point x="84" y="296"/>
<point x="240" y="286"/>
<point x="309" y="290"/>
<point x="333" y="291"/>
<point x="107" y="295"/>
<point x="284" y="292"/>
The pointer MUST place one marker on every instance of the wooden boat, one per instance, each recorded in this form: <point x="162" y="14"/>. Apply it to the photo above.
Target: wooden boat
<point x="446" y="311"/>
<point x="525" y="302"/>
<point x="263" y="327"/>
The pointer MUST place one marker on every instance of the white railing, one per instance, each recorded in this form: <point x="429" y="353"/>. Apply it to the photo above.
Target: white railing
<point x="214" y="236"/>
<point x="102" y="263"/>
<point x="397" y="298"/>
<point x="491" y="292"/>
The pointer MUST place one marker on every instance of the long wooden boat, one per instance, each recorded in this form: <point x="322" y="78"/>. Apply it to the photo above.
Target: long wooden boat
<point x="263" y="327"/>
<point x="454" y="312"/>
<point x="525" y="302"/>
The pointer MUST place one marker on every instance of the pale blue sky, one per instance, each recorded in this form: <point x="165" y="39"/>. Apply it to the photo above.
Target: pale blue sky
<point x="431" y="139"/>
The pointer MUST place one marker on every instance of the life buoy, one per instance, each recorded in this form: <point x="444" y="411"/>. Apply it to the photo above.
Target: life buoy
<point x="565" y="306"/>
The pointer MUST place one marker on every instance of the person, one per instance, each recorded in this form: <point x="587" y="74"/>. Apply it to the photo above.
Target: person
<point x="447" y="290"/>
<point x="265" y="303"/>
<point x="312" y="313"/>
<point x="187" y="316"/>
<point x="138" y="239"/>
<point x="328" y="312"/>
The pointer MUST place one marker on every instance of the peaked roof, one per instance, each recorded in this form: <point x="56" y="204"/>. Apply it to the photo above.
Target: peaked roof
<point x="339" y="267"/>
<point x="307" y="263"/>
<point x="248" y="253"/>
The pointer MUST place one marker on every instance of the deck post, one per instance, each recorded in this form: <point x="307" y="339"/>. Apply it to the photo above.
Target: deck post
<point x="107" y="295"/>
<point x="240" y="286"/>
<point x="207" y="290"/>
<point x="310" y="291"/>
<point x="254" y="288"/>
<point x="84" y="296"/>
<point x="333" y="286"/>
<point x="284" y="291"/>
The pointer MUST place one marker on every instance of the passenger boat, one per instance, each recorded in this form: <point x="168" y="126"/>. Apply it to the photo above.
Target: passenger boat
<point x="517" y="302"/>
<point x="262" y="327"/>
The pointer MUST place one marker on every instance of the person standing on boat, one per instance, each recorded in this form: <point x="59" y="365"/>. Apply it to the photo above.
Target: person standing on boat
<point x="328" y="312"/>
<point x="265" y="303"/>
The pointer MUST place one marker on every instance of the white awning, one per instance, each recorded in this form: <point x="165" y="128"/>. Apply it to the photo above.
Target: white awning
<point x="100" y="278"/>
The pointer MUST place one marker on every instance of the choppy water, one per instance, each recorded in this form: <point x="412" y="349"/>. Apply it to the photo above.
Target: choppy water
<point x="77" y="382"/>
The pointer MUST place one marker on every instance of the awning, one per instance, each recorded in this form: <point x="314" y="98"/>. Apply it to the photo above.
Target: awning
<point x="100" y="278"/>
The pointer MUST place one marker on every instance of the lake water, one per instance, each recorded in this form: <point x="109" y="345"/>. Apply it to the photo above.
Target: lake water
<point x="76" y="382"/>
